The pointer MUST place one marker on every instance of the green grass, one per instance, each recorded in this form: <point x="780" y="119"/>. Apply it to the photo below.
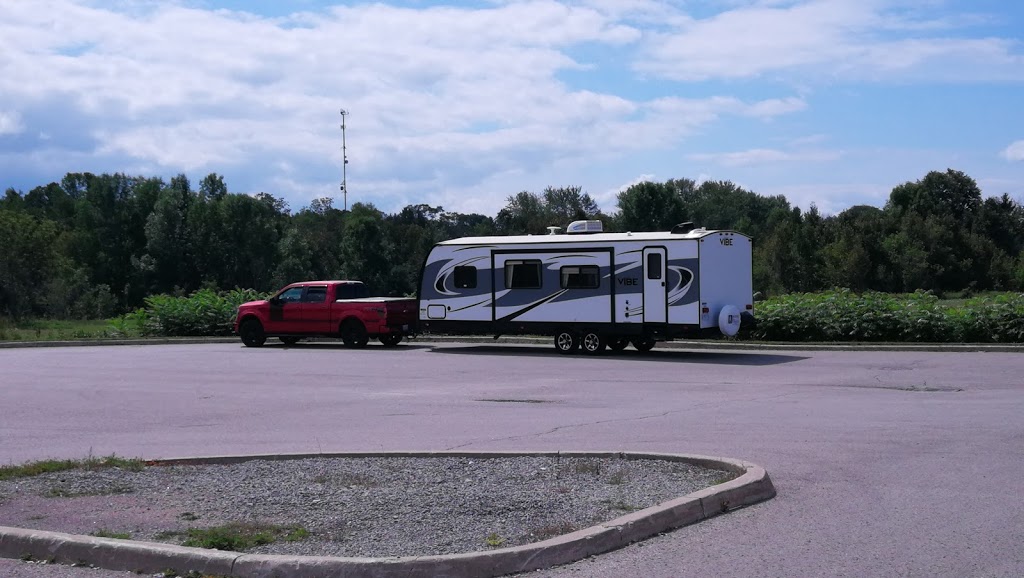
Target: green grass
<point x="238" y="537"/>
<point x="58" y="330"/>
<point x="104" y="533"/>
<point x="29" y="469"/>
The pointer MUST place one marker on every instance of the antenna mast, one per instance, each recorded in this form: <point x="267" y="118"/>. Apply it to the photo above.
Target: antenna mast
<point x="344" y="159"/>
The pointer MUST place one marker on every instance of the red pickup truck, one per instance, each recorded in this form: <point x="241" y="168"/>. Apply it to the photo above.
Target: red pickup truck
<point x="326" y="308"/>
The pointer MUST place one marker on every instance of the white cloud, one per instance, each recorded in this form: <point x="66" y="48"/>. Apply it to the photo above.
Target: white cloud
<point x="10" y="123"/>
<point x="833" y="39"/>
<point x="1014" y="152"/>
<point x="761" y="156"/>
<point x="449" y="104"/>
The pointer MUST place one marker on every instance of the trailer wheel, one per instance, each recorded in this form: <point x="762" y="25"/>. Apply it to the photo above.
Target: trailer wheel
<point x="618" y="343"/>
<point x="252" y="333"/>
<point x="390" y="339"/>
<point x="566" y="341"/>
<point x="592" y="343"/>
<point x="289" y="340"/>
<point x="643" y="343"/>
<point x="353" y="333"/>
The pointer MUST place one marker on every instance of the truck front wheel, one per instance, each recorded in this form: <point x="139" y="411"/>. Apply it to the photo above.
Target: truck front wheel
<point x="353" y="333"/>
<point x="251" y="332"/>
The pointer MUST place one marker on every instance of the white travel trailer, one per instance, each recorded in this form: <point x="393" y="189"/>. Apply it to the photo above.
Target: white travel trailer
<point x="590" y="289"/>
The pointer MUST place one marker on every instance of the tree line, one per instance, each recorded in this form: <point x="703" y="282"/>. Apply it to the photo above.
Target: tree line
<point x="92" y="246"/>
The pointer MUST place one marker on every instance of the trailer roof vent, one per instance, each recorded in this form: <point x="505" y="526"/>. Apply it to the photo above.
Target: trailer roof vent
<point x="583" y="227"/>
<point x="682" y="228"/>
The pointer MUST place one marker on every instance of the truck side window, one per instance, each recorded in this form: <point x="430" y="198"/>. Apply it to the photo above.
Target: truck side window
<point x="580" y="277"/>
<point x="522" y="274"/>
<point x="293" y="295"/>
<point x="315" y="295"/>
<point x="465" y="277"/>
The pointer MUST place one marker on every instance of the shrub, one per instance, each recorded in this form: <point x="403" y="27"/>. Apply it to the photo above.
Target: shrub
<point x="203" y="313"/>
<point x="842" y="315"/>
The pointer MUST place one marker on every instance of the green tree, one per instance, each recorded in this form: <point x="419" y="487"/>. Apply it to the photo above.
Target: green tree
<point x="366" y="250"/>
<point x="28" y="262"/>
<point x="649" y="206"/>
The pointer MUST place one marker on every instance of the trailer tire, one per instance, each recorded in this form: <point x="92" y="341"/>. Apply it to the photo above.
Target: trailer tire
<point x="618" y="343"/>
<point x="644" y="343"/>
<point x="566" y="342"/>
<point x="251" y="332"/>
<point x="592" y="343"/>
<point x="390" y="339"/>
<point x="353" y="333"/>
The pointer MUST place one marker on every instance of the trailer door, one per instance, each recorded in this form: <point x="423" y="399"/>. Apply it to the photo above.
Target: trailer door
<point x="655" y="291"/>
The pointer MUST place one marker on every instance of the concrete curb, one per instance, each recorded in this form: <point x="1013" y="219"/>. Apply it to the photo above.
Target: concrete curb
<point x="469" y="339"/>
<point x="752" y="486"/>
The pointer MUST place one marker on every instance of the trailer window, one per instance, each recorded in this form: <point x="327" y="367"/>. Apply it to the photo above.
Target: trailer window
<point x="580" y="277"/>
<point x="465" y="277"/>
<point x="654" y="265"/>
<point x="521" y="274"/>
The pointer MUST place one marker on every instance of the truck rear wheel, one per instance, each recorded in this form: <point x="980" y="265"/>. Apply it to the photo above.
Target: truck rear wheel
<point x="251" y="332"/>
<point x="390" y="339"/>
<point x="353" y="333"/>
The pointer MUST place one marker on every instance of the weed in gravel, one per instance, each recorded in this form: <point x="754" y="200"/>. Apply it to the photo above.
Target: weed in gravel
<point x="620" y="504"/>
<point x="29" y="469"/>
<point x="725" y="477"/>
<point x="588" y="468"/>
<point x="618" y="477"/>
<point x="351" y="479"/>
<point x="59" y="492"/>
<point x="104" y="533"/>
<point x="552" y="530"/>
<point x="237" y="537"/>
<point x="493" y="540"/>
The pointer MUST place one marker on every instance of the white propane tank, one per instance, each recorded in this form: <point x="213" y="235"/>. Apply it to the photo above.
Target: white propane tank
<point x="729" y="320"/>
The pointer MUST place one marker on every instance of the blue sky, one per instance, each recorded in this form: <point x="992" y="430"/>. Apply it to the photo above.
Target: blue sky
<point x="462" y="104"/>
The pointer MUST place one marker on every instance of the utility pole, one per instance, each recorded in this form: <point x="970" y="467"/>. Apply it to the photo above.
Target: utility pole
<point x="344" y="159"/>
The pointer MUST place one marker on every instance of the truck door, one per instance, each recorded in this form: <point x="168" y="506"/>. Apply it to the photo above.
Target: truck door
<point x="655" y="291"/>
<point x="316" y="311"/>
<point x="286" y="312"/>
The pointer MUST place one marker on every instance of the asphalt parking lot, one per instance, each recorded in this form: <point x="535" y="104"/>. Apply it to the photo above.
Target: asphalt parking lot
<point x="886" y="463"/>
